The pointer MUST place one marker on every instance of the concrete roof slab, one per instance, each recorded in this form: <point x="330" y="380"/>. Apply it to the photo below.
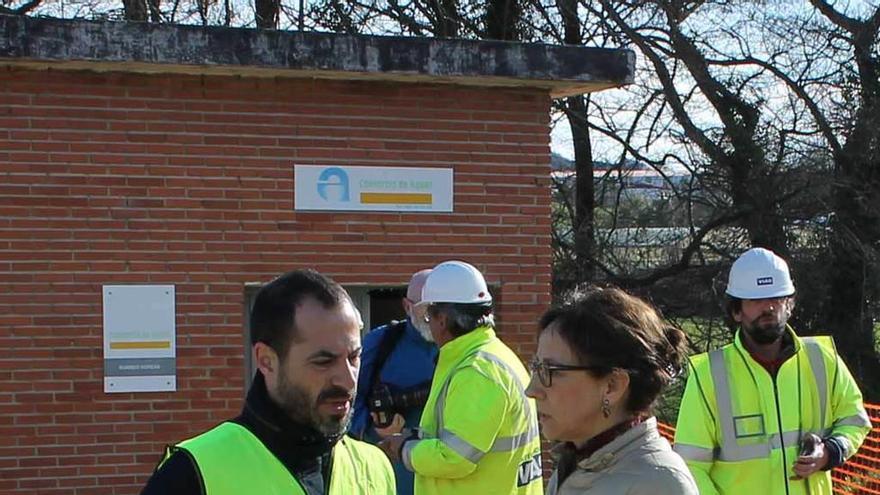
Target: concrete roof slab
<point x="562" y="70"/>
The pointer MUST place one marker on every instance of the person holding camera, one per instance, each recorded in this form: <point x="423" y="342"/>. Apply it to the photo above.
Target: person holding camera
<point x="771" y="412"/>
<point x="397" y="365"/>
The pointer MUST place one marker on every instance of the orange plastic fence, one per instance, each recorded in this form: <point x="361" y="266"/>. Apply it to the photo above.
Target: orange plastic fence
<point x="860" y="474"/>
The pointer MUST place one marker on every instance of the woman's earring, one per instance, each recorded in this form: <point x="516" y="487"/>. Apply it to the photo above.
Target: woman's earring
<point x="606" y="407"/>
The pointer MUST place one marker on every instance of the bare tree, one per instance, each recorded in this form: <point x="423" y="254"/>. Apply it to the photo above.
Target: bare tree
<point x="783" y="138"/>
<point x="135" y="10"/>
<point x="735" y="152"/>
<point x="855" y="243"/>
<point x="576" y="111"/>
<point x="26" y="7"/>
<point x="266" y="13"/>
<point x="503" y="20"/>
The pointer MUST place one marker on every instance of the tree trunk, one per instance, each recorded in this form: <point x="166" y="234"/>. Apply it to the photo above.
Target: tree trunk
<point x="754" y="191"/>
<point x="155" y="11"/>
<point x="576" y="108"/>
<point x="503" y="20"/>
<point x="135" y="10"/>
<point x="584" y="197"/>
<point x="447" y="18"/>
<point x="266" y="13"/>
<point x="855" y="242"/>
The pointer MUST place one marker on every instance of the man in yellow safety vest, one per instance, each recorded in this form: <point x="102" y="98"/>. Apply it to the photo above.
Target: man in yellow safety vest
<point x="478" y="433"/>
<point x="771" y="412"/>
<point x="289" y="438"/>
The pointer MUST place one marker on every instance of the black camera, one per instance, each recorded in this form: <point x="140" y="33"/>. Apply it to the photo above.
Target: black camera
<point x="386" y="404"/>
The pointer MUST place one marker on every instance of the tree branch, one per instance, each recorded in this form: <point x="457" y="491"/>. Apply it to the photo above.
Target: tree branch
<point x="22" y="9"/>
<point x="684" y="261"/>
<point x="848" y="24"/>
<point x="820" y="119"/>
<point x="669" y="89"/>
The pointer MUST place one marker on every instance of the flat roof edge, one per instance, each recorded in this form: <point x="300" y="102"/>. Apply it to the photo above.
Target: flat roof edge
<point x="562" y="70"/>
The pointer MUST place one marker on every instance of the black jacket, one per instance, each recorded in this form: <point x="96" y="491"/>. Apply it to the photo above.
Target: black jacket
<point x="305" y="452"/>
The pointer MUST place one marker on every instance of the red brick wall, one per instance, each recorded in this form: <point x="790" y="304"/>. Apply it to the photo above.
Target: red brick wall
<point x="186" y="180"/>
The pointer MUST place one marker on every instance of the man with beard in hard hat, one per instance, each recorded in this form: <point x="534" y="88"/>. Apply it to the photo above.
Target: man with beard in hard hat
<point x="771" y="412"/>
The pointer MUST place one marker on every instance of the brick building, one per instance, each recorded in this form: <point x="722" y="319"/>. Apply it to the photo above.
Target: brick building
<point x="165" y="155"/>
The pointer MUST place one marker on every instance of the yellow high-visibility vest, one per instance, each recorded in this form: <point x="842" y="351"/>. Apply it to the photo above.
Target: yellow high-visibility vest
<point x="739" y="428"/>
<point x="479" y="430"/>
<point x="232" y="461"/>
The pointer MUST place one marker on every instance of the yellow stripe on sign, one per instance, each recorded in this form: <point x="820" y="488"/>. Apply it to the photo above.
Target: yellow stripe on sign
<point x="147" y="344"/>
<point x="397" y="198"/>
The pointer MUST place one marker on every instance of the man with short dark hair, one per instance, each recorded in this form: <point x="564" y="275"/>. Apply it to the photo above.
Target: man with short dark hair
<point x="479" y="432"/>
<point x="289" y="437"/>
<point x="772" y="412"/>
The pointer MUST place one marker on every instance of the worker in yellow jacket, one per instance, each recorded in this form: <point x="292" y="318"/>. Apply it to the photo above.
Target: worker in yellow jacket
<point x="770" y="413"/>
<point x="478" y="433"/>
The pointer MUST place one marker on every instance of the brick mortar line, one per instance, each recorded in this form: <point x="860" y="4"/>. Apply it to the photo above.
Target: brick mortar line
<point x="115" y="109"/>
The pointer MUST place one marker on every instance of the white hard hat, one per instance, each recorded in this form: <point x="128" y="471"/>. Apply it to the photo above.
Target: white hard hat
<point x="759" y="274"/>
<point x="455" y="282"/>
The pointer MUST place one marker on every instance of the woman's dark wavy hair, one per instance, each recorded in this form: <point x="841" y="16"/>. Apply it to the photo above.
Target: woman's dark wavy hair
<point x="610" y="328"/>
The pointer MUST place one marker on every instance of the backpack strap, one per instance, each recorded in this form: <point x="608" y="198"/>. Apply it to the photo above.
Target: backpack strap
<point x="389" y="341"/>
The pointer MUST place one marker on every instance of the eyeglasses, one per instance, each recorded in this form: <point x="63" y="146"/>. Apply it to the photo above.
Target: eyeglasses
<point x="544" y="371"/>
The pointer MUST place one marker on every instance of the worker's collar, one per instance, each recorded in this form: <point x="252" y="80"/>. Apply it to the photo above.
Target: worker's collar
<point x="276" y="430"/>
<point x="789" y="346"/>
<point x="462" y="343"/>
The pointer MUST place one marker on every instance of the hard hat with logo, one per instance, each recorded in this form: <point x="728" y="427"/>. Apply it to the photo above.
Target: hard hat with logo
<point x="759" y="274"/>
<point x="455" y="282"/>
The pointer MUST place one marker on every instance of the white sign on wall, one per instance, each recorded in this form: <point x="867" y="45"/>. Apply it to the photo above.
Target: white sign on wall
<point x="318" y="187"/>
<point x="139" y="338"/>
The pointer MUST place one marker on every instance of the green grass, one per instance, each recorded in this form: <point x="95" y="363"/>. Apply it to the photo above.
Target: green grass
<point x="877" y="337"/>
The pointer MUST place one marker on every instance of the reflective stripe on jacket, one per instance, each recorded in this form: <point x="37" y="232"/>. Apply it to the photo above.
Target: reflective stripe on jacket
<point x="479" y="431"/>
<point x="233" y="461"/>
<point x="739" y="428"/>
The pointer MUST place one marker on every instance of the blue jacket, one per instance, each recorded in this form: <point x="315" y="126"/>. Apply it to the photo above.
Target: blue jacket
<point x="410" y="363"/>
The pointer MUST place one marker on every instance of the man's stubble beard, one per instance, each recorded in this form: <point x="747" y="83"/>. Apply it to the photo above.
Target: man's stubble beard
<point x="769" y="333"/>
<point x="300" y="408"/>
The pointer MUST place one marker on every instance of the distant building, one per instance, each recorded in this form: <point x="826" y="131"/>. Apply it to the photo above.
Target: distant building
<point x="627" y="246"/>
<point x="636" y="178"/>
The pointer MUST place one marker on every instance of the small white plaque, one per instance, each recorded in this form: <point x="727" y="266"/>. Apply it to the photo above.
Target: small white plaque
<point x="139" y="338"/>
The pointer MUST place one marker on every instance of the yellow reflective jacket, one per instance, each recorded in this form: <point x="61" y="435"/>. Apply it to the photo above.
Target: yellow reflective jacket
<point x="232" y="461"/>
<point x="739" y="428"/>
<point x="479" y="432"/>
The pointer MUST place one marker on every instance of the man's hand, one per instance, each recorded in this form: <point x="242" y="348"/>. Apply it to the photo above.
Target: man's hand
<point x="391" y="446"/>
<point x="394" y="428"/>
<point x="808" y="464"/>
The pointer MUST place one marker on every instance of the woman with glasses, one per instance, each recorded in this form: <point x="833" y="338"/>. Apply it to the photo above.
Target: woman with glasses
<point x="602" y="361"/>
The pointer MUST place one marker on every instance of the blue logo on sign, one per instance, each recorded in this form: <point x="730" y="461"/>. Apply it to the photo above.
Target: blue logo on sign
<point x="765" y="281"/>
<point x="333" y="184"/>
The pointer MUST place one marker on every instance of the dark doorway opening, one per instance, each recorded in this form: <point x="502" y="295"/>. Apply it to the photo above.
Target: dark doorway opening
<point x="386" y="305"/>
